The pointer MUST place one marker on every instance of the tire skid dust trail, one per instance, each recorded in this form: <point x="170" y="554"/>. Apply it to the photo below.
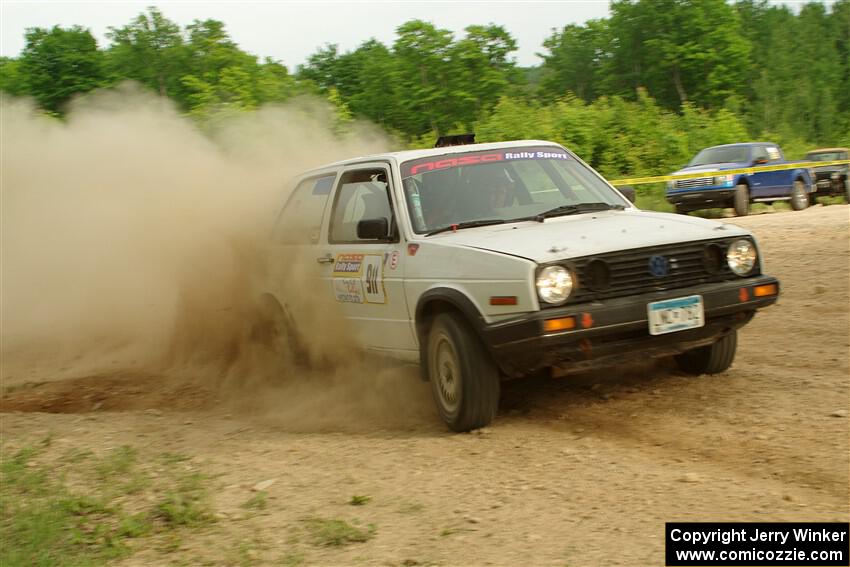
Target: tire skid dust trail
<point x="134" y="246"/>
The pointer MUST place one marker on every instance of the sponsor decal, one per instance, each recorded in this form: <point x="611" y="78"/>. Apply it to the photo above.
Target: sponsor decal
<point x="348" y="264"/>
<point x="359" y="278"/>
<point x="394" y="260"/>
<point x="348" y="290"/>
<point x="443" y="162"/>
<point x="454" y="162"/>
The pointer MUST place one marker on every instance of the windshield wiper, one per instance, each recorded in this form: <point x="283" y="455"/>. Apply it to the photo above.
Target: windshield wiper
<point x="466" y="224"/>
<point x="565" y="210"/>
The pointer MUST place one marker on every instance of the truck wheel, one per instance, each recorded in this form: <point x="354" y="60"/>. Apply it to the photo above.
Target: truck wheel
<point x="464" y="379"/>
<point x="681" y="210"/>
<point x="742" y="200"/>
<point x="799" y="198"/>
<point x="711" y="359"/>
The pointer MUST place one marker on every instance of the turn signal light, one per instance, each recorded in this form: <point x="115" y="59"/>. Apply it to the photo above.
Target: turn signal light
<point x="560" y="324"/>
<point x="503" y="300"/>
<point x="765" y="290"/>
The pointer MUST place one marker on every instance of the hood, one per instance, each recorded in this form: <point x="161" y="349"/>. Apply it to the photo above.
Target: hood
<point x="586" y="234"/>
<point x="709" y="167"/>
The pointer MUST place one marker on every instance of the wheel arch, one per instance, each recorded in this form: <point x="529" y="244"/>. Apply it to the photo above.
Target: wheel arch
<point x="441" y="300"/>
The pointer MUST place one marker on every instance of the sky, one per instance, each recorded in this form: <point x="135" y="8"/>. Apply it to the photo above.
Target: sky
<point x="291" y="31"/>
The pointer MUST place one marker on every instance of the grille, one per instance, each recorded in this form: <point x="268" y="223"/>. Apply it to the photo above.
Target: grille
<point x="690" y="183"/>
<point x="627" y="272"/>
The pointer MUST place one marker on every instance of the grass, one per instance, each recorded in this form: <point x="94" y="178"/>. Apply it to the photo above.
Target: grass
<point x="334" y="532"/>
<point x="359" y="500"/>
<point x="257" y="502"/>
<point x="83" y="509"/>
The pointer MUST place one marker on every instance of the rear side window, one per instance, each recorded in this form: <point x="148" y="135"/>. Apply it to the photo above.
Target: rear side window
<point x="773" y="153"/>
<point x="300" y="221"/>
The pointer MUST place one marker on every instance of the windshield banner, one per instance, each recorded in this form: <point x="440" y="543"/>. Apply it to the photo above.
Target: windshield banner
<point x="448" y="161"/>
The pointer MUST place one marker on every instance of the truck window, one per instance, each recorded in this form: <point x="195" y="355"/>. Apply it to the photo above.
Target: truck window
<point x="773" y="153"/>
<point x="362" y="194"/>
<point x="759" y="152"/>
<point x="300" y="220"/>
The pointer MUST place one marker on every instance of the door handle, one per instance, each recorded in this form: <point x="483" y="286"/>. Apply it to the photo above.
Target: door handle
<point x="326" y="259"/>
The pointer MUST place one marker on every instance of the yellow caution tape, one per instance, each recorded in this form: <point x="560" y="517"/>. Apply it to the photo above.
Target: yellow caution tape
<point x="720" y="173"/>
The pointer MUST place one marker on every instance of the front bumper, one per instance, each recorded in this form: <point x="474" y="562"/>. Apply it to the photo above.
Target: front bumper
<point x="698" y="198"/>
<point x="616" y="330"/>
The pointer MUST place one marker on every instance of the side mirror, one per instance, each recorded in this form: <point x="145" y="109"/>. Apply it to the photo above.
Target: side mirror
<point x="759" y="161"/>
<point x="628" y="192"/>
<point x="373" y="229"/>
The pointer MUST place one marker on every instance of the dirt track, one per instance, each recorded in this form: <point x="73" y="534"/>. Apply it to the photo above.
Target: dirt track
<point x="581" y="470"/>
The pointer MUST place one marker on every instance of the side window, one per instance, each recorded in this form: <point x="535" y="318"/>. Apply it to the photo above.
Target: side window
<point x="362" y="195"/>
<point x="773" y="153"/>
<point x="300" y="221"/>
<point x="759" y="152"/>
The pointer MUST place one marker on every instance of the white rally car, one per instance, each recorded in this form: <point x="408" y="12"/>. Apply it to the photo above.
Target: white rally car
<point x="489" y="261"/>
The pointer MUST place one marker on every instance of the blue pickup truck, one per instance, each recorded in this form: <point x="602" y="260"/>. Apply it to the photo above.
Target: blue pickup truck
<point x="739" y="190"/>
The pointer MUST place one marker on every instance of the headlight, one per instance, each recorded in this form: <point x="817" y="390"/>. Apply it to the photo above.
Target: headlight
<point x="741" y="257"/>
<point x="725" y="180"/>
<point x="554" y="284"/>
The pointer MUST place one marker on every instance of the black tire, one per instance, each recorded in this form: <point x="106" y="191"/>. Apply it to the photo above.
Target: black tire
<point x="711" y="359"/>
<point x="799" y="197"/>
<point x="681" y="210"/>
<point x="813" y="199"/>
<point x="741" y="201"/>
<point x="464" y="379"/>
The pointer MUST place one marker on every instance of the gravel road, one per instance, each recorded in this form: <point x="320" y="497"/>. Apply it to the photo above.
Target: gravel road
<point x="579" y="470"/>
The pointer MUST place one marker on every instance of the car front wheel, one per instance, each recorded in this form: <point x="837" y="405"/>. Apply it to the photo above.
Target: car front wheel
<point x="799" y="198"/>
<point x="741" y="201"/>
<point x="464" y="379"/>
<point x="711" y="359"/>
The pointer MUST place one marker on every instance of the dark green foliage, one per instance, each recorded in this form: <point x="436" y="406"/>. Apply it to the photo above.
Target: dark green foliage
<point x="637" y="93"/>
<point x="59" y="63"/>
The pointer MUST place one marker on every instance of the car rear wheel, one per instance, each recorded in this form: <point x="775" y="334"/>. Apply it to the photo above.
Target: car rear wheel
<point x="274" y="327"/>
<point x="742" y="200"/>
<point x="799" y="198"/>
<point x="464" y="379"/>
<point x="711" y="359"/>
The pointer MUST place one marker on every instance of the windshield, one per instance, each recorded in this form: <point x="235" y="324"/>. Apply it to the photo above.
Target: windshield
<point x="826" y="156"/>
<point x="501" y="185"/>
<point x="725" y="154"/>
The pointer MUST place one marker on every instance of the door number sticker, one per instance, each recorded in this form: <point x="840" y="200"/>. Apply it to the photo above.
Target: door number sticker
<point x="359" y="278"/>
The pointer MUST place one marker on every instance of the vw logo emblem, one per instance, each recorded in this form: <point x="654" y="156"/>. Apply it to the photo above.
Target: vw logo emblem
<point x="658" y="266"/>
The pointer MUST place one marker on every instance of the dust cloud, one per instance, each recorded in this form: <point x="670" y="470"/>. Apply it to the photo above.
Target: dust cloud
<point x="133" y="240"/>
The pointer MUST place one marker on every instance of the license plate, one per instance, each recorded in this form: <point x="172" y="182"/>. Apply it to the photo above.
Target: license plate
<point x="677" y="314"/>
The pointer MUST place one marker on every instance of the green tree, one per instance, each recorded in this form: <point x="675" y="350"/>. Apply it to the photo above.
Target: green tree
<point x="149" y="50"/>
<point x="481" y="71"/>
<point x="576" y="60"/>
<point x="11" y="80"/>
<point x="56" y="64"/>
<point x="424" y="70"/>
